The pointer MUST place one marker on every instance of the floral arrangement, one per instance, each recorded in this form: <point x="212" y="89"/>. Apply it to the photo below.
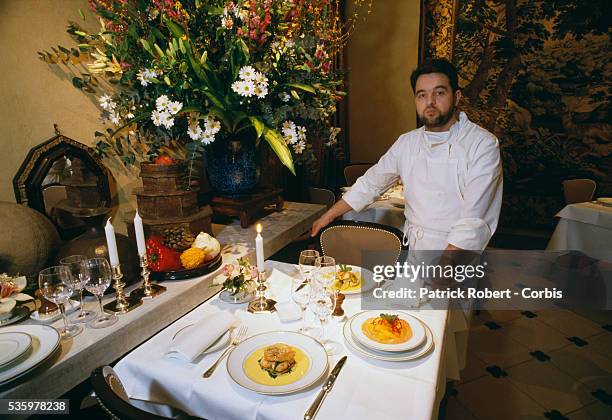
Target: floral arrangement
<point x="236" y="277"/>
<point x="10" y="294"/>
<point x="175" y="76"/>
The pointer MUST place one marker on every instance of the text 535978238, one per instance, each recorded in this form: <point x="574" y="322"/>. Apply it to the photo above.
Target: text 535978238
<point x="34" y="406"/>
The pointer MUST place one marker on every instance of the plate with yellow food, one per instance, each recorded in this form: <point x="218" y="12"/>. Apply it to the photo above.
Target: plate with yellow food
<point x="352" y="280"/>
<point x="388" y="330"/>
<point x="277" y="363"/>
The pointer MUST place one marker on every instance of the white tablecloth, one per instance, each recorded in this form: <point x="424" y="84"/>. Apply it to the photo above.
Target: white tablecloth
<point x="585" y="227"/>
<point x="365" y="389"/>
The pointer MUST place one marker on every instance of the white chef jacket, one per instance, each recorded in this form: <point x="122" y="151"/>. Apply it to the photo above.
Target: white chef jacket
<point x="453" y="191"/>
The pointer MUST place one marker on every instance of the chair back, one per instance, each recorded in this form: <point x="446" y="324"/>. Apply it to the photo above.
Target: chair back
<point x="112" y="397"/>
<point x="578" y="190"/>
<point x="346" y="240"/>
<point x="321" y="196"/>
<point x="353" y="172"/>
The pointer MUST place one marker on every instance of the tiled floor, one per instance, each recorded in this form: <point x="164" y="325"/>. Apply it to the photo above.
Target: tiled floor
<point x="535" y="365"/>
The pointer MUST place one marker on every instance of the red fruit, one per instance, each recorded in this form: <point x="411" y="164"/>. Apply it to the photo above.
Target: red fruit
<point x="164" y="160"/>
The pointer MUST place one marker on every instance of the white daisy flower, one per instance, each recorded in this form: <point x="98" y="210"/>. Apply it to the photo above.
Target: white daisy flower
<point x="261" y="91"/>
<point x="144" y="81"/>
<point x="129" y="115"/>
<point x="261" y="79"/>
<point x="247" y="73"/>
<point x="114" y="117"/>
<point x="290" y="137"/>
<point x="107" y="103"/>
<point x="162" y="103"/>
<point x="299" y="147"/>
<point x="194" y="132"/>
<point x="289" y="125"/>
<point x="301" y="132"/>
<point x="212" y="126"/>
<point x="166" y="119"/>
<point x="207" y="138"/>
<point x="284" y="97"/>
<point x="174" y="107"/>
<point x="236" y="86"/>
<point x="247" y="88"/>
<point x="156" y="118"/>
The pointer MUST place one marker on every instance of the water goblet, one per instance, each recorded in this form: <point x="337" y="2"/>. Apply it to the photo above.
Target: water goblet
<point x="322" y="304"/>
<point x="100" y="279"/>
<point x="80" y="277"/>
<point x="55" y="285"/>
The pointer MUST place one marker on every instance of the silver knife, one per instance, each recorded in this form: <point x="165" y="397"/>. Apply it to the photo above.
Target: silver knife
<point x="327" y="386"/>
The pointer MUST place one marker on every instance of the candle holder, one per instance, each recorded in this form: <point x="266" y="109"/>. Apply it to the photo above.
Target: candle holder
<point x="121" y="304"/>
<point x="148" y="290"/>
<point x="260" y="304"/>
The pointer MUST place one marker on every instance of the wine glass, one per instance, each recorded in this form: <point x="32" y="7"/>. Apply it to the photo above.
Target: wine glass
<point x="301" y="293"/>
<point x="80" y="276"/>
<point x="100" y="279"/>
<point x="325" y="267"/>
<point x="306" y="263"/>
<point x="55" y="285"/>
<point x="322" y="304"/>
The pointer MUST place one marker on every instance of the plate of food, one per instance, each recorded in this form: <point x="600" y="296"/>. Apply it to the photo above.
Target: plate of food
<point x="605" y="201"/>
<point x="178" y="255"/>
<point x="389" y="356"/>
<point x="351" y="281"/>
<point x="392" y="331"/>
<point x="277" y="363"/>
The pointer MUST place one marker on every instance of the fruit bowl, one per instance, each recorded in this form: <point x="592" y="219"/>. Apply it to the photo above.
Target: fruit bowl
<point x="207" y="267"/>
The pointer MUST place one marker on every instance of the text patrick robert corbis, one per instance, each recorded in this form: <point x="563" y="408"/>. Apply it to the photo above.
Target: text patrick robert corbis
<point x="467" y="293"/>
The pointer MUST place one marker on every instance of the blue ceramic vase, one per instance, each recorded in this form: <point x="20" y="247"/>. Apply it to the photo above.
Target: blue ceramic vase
<point x="232" y="166"/>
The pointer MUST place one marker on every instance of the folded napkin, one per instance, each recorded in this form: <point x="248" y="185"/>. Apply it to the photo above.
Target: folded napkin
<point x="279" y="286"/>
<point x="288" y="311"/>
<point x="196" y="338"/>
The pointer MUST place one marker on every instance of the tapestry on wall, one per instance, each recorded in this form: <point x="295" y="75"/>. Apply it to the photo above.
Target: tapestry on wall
<point x="538" y="75"/>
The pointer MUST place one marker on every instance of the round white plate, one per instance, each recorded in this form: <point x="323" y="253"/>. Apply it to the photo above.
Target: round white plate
<point x="13" y="345"/>
<point x="605" y="201"/>
<point x="367" y="281"/>
<point x="389" y="356"/>
<point x="418" y="331"/>
<point x="70" y="308"/>
<point x="45" y="341"/>
<point x="312" y="348"/>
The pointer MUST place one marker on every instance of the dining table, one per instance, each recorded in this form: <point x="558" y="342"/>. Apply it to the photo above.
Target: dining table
<point x="388" y="209"/>
<point x="585" y="227"/>
<point x="364" y="389"/>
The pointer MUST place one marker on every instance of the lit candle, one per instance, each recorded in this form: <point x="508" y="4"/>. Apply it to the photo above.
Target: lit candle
<point x="111" y="244"/>
<point x="259" y="250"/>
<point x="140" y="238"/>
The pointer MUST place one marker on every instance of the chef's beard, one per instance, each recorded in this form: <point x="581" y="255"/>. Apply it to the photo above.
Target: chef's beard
<point x="440" y="120"/>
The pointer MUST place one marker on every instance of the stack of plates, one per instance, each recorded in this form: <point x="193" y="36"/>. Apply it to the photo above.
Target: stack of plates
<point x="25" y="347"/>
<point x="420" y="344"/>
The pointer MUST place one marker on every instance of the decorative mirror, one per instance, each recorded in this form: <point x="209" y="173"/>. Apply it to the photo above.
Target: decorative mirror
<point x="61" y="178"/>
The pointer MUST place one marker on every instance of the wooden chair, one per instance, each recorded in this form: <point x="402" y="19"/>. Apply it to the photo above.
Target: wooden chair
<point x="321" y="196"/>
<point x="353" y="172"/>
<point x="112" y="397"/>
<point x="578" y="190"/>
<point x="346" y="240"/>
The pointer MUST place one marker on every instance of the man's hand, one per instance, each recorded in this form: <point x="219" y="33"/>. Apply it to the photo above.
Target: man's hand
<point x="329" y="216"/>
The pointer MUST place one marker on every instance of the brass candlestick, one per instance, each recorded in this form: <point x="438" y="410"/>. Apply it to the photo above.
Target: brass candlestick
<point x="147" y="290"/>
<point x="121" y="305"/>
<point x="261" y="304"/>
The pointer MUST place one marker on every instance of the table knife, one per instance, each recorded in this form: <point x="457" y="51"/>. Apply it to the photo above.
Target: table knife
<point x="327" y="386"/>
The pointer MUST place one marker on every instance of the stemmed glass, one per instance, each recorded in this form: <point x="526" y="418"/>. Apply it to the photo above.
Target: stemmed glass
<point x="323" y="300"/>
<point x="101" y="275"/>
<point x="301" y="293"/>
<point x="80" y="276"/>
<point x="307" y="262"/>
<point x="55" y="285"/>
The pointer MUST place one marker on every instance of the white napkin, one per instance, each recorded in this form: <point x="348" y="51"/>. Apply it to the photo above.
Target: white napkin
<point x="288" y="311"/>
<point x="279" y="286"/>
<point x="190" y="343"/>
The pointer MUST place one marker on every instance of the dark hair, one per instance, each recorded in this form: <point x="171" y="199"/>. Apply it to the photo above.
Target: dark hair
<point x="436" y="65"/>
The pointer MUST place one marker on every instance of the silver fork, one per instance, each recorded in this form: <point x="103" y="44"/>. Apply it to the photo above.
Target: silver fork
<point x="235" y="341"/>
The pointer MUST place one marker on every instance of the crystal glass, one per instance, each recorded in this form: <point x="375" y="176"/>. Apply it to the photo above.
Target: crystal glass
<point x="100" y="279"/>
<point x="301" y="293"/>
<point x="55" y="285"/>
<point x="325" y="267"/>
<point x="322" y="304"/>
<point x="306" y="264"/>
<point x="79" y="277"/>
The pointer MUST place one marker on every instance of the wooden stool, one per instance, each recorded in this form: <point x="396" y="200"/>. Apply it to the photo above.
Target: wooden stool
<point x="247" y="206"/>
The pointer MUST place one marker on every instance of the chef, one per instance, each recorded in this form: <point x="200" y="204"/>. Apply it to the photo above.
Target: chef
<point x="450" y="168"/>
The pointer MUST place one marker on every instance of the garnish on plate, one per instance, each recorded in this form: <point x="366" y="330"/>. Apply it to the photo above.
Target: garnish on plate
<point x="346" y="278"/>
<point x="278" y="359"/>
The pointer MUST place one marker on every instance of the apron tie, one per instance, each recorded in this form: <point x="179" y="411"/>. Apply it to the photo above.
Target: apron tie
<point x="413" y="234"/>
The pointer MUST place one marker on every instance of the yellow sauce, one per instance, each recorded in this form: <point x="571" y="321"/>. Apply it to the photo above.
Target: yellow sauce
<point x="345" y="287"/>
<point x="381" y="334"/>
<point x="256" y="373"/>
